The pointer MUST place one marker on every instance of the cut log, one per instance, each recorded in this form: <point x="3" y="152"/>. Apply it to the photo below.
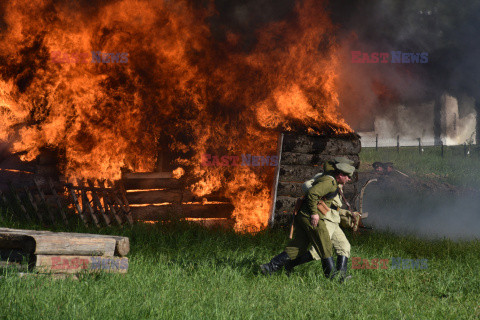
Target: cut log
<point x="314" y="159"/>
<point x="298" y="173"/>
<point x="20" y="242"/>
<point x="338" y="145"/>
<point x="122" y="244"/>
<point x="168" y="212"/>
<point x="76" y="264"/>
<point x="72" y="245"/>
<point x="169" y="195"/>
<point x="157" y="196"/>
<point x="148" y="175"/>
<point x="151" y="183"/>
<point x="289" y="189"/>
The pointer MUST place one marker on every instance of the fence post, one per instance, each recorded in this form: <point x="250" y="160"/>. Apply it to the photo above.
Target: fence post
<point x="419" y="145"/>
<point x="441" y="144"/>
<point x="398" y="143"/>
<point x="465" y="149"/>
<point x="376" y="142"/>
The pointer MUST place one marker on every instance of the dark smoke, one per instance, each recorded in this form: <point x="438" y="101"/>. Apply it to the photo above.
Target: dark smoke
<point x="447" y="31"/>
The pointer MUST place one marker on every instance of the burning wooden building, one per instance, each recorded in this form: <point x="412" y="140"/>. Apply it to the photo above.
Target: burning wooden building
<point x="195" y="90"/>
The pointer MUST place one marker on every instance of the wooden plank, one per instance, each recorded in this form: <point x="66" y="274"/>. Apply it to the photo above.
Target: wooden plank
<point x="78" y="263"/>
<point x="151" y="183"/>
<point x="34" y="205"/>
<point x="97" y="203"/>
<point x="6" y="202"/>
<point x="122" y="244"/>
<point x="59" y="203"/>
<point x="44" y="201"/>
<point x="62" y="244"/>
<point x="276" y="177"/>
<point x="19" y="203"/>
<point x="157" y="196"/>
<point x="167" y="212"/>
<point x="109" y="202"/>
<point x="88" y="208"/>
<point x="314" y="159"/>
<point x="76" y="204"/>
<point x="126" y="204"/>
<point x="169" y="195"/>
<point x="338" y="145"/>
<point x="147" y="175"/>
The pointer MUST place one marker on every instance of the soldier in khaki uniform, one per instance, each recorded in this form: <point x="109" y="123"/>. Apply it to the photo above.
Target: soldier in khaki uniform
<point x="321" y="231"/>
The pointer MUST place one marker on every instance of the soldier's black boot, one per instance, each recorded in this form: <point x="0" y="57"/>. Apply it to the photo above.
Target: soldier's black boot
<point x="275" y="264"/>
<point x="307" y="257"/>
<point x="342" y="263"/>
<point x="328" y="267"/>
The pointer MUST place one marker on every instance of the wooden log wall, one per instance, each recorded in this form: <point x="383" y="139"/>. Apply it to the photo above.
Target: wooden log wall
<point x="158" y="196"/>
<point x="301" y="158"/>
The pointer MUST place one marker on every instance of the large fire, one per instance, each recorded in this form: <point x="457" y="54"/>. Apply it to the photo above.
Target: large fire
<point x="182" y="87"/>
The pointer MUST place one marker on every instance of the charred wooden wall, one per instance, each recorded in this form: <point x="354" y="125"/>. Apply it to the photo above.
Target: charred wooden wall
<point x="301" y="157"/>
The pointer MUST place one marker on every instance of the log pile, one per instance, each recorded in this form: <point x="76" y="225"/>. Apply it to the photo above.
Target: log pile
<point x="158" y="196"/>
<point x="64" y="253"/>
<point x="300" y="158"/>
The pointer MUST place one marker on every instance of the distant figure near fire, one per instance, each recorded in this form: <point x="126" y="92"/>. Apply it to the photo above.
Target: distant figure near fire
<point x="318" y="223"/>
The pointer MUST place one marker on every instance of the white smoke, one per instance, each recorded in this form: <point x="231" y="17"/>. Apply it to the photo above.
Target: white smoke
<point x="429" y="213"/>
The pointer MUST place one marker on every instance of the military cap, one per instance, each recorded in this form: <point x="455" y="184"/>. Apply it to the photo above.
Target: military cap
<point x="345" y="168"/>
<point x="343" y="160"/>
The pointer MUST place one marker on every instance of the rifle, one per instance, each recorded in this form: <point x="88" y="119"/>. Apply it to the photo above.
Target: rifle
<point x="360" y="215"/>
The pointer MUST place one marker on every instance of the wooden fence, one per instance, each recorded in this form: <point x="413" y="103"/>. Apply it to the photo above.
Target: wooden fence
<point x="94" y="202"/>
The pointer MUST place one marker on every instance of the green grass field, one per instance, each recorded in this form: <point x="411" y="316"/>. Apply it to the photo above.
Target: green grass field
<point x="453" y="167"/>
<point x="180" y="271"/>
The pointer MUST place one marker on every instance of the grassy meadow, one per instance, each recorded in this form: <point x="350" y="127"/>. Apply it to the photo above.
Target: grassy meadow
<point x="184" y="271"/>
<point x="454" y="167"/>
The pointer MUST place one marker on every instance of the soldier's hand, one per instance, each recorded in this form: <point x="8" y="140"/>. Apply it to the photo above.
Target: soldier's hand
<point x="356" y="220"/>
<point x="314" y="219"/>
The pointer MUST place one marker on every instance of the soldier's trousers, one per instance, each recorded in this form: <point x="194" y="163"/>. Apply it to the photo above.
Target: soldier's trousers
<point x="305" y="236"/>
<point x="339" y="240"/>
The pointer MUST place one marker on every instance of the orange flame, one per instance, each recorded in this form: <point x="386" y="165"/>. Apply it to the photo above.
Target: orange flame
<point x="180" y="89"/>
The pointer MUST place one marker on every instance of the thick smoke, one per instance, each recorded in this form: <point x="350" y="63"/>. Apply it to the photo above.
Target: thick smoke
<point x="424" y="209"/>
<point x="445" y="30"/>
